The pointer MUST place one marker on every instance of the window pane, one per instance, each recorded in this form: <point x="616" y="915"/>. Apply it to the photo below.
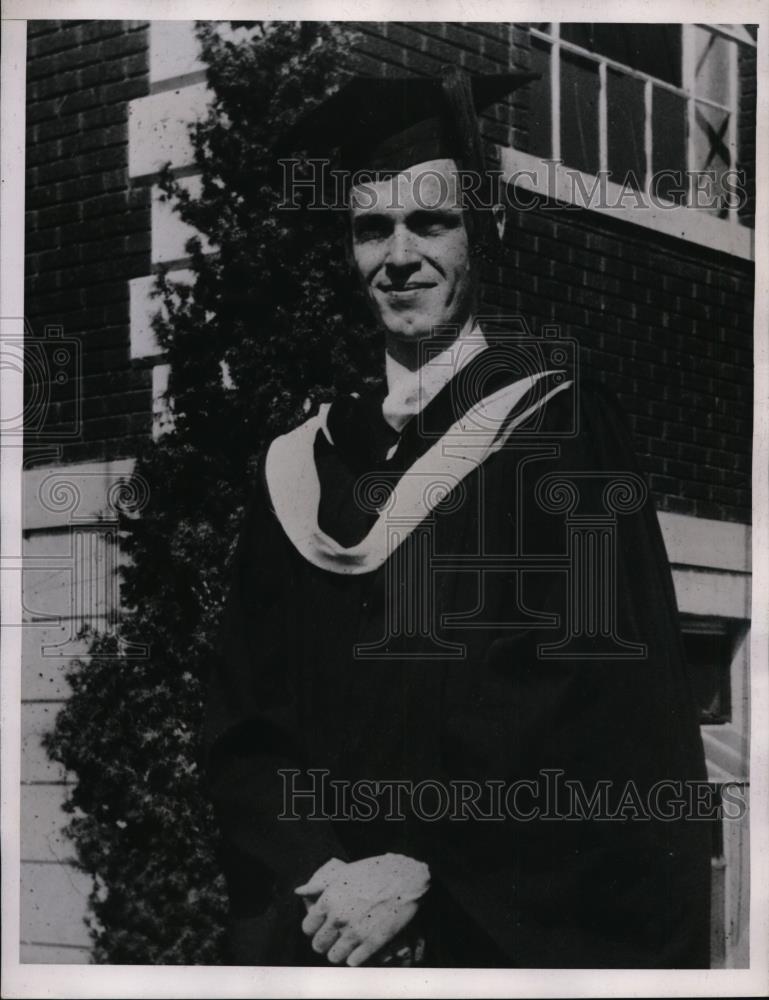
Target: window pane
<point x="540" y="117"/>
<point x="711" y="138"/>
<point x="711" y="152"/>
<point x="579" y="113"/>
<point x="709" y="656"/>
<point x="579" y="34"/>
<point x="652" y="48"/>
<point x="669" y="142"/>
<point x="625" y="128"/>
<point x="711" y="66"/>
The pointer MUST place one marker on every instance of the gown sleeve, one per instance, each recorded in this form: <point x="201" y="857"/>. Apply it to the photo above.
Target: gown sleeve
<point x="627" y="892"/>
<point x="253" y="729"/>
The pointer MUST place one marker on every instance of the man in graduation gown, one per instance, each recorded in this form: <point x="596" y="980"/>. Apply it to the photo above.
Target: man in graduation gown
<point x="451" y="600"/>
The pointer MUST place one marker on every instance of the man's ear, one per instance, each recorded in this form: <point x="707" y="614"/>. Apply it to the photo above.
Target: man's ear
<point x="500" y="220"/>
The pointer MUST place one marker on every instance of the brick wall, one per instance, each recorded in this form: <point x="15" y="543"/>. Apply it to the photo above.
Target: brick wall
<point x="88" y="229"/>
<point x="667" y="326"/>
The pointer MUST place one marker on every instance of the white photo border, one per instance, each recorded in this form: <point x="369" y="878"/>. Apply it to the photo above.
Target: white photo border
<point x="70" y="981"/>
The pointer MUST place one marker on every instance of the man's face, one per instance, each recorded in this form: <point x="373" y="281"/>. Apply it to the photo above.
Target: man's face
<point x="411" y="250"/>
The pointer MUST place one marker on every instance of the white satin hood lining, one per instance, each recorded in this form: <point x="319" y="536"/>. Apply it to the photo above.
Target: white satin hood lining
<point x="294" y="486"/>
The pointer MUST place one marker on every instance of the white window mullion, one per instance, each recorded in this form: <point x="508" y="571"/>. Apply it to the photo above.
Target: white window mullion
<point x="688" y="80"/>
<point x="735" y="32"/>
<point x="603" y="143"/>
<point x="648" y="155"/>
<point x="734" y="91"/>
<point x="555" y="91"/>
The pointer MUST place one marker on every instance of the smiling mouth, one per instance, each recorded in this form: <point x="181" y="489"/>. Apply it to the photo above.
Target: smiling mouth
<point x="402" y="289"/>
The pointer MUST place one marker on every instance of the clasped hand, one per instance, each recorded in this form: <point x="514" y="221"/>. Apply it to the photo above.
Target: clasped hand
<point x="354" y="910"/>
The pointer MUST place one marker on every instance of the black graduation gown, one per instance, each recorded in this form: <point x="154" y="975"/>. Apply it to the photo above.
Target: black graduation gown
<point x="476" y="699"/>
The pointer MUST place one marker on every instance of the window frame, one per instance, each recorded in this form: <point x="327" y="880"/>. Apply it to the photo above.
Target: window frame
<point x="687" y="91"/>
<point x="732" y="632"/>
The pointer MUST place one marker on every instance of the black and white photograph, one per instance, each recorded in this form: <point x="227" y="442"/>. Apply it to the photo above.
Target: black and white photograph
<point x="390" y="472"/>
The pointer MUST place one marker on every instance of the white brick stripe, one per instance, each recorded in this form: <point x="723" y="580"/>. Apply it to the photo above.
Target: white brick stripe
<point x="169" y="233"/>
<point x="174" y="50"/>
<point x="144" y="307"/>
<point x="158" y="128"/>
<point x="162" y="418"/>
<point x="701" y="541"/>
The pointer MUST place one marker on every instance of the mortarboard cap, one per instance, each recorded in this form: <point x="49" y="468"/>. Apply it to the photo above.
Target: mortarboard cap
<point x="390" y="124"/>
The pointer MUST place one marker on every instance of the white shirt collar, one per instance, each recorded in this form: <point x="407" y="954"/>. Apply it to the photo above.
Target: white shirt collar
<point x="410" y="391"/>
